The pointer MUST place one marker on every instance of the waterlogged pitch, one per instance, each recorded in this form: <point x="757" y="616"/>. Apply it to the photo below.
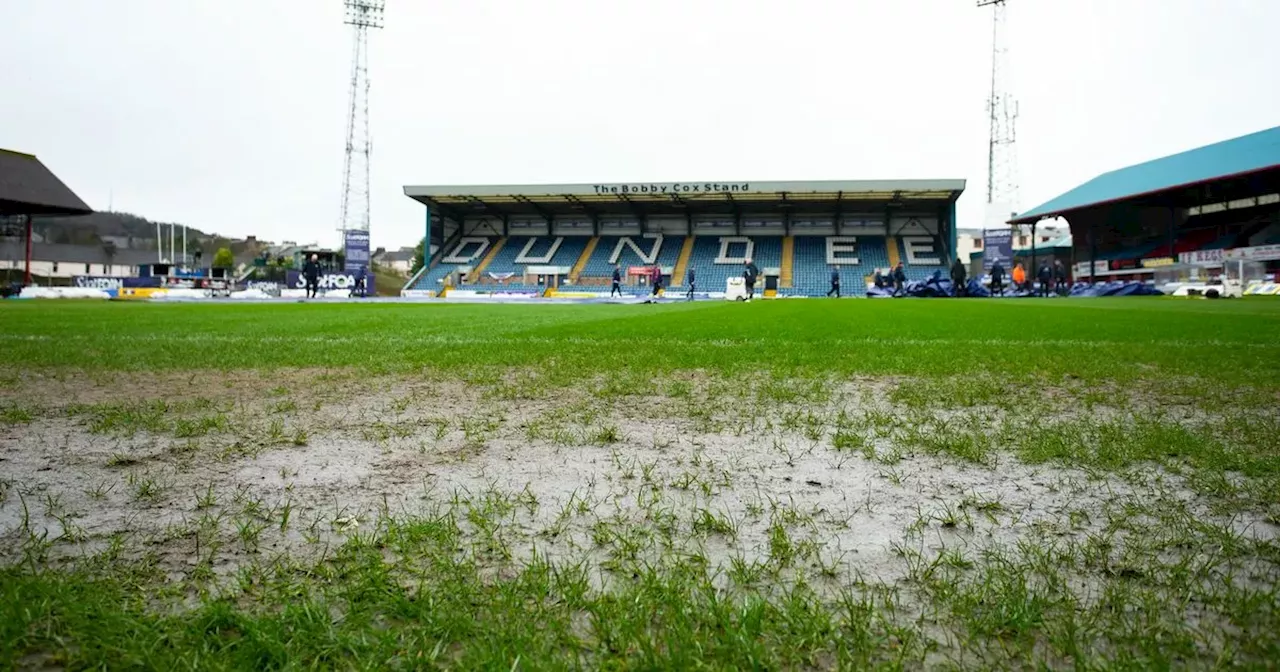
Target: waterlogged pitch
<point x="1089" y="484"/>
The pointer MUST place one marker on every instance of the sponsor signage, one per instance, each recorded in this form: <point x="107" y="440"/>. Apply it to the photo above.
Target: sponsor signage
<point x="997" y="245"/>
<point x="1258" y="253"/>
<point x="97" y="282"/>
<point x="1157" y="262"/>
<point x="1099" y="268"/>
<point x="1205" y="257"/>
<point x="268" y="287"/>
<point x="356" y="247"/>
<point x="328" y="281"/>
<point x="672" y="188"/>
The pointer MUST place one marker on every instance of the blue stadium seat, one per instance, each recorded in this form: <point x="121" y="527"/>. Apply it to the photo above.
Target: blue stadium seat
<point x="811" y="274"/>
<point x="598" y="265"/>
<point x="919" y="272"/>
<point x="431" y="280"/>
<point x="505" y="262"/>
<point x="810" y="271"/>
<point x="570" y="249"/>
<point x="712" y="276"/>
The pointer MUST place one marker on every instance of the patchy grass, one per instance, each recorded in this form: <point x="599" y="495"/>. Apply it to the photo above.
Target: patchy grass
<point x="829" y="485"/>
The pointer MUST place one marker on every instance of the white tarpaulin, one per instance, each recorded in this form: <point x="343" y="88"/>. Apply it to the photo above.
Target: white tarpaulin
<point x="63" y="293"/>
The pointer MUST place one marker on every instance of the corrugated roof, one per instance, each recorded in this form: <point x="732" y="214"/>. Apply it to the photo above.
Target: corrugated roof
<point x="1238" y="156"/>
<point x="27" y="187"/>
<point x="676" y="198"/>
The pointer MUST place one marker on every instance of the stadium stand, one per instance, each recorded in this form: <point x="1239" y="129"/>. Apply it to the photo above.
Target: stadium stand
<point x="715" y="259"/>
<point x="920" y="258"/>
<point x="1130" y="221"/>
<point x="812" y="264"/>
<point x="599" y="266"/>
<point x="714" y="268"/>
<point x="796" y="228"/>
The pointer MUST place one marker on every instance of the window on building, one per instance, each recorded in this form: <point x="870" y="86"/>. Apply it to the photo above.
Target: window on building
<point x="86" y="269"/>
<point x="55" y="267"/>
<point x="977" y="243"/>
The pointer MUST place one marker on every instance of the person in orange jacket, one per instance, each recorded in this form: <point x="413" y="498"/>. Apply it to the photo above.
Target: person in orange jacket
<point x="1019" y="276"/>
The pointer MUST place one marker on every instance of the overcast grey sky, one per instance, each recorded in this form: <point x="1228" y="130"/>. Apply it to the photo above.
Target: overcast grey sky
<point x="229" y="115"/>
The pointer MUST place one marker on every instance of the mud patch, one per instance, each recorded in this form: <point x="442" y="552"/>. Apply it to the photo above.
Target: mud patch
<point x="829" y="490"/>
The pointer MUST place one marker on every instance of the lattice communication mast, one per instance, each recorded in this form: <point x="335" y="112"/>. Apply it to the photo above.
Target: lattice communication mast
<point x="362" y="15"/>
<point x="1002" y="110"/>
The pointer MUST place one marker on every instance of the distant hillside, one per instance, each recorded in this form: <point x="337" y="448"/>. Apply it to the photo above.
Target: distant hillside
<point x="123" y="230"/>
<point x="99" y="227"/>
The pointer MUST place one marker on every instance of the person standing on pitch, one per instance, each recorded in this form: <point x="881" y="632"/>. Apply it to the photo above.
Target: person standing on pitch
<point x="1044" y="275"/>
<point x="656" y="277"/>
<point x="691" y="278"/>
<point x="311" y="272"/>
<point x="1059" y="277"/>
<point x="835" y="282"/>
<point x="899" y="279"/>
<point x="1019" y="277"/>
<point x="749" y="274"/>
<point x="959" y="276"/>
<point x="997" y="279"/>
<point x="617" y="282"/>
<point x="361" y="281"/>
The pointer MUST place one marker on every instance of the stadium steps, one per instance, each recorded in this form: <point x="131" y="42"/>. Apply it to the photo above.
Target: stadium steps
<point x="788" y="254"/>
<point x="583" y="258"/>
<point x="894" y="257"/>
<point x="488" y="258"/>
<point x="682" y="262"/>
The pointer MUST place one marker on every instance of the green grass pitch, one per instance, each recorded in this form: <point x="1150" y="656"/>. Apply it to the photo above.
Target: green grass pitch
<point x="807" y="484"/>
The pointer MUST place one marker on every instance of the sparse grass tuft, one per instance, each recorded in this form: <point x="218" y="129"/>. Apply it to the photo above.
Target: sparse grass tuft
<point x="15" y="415"/>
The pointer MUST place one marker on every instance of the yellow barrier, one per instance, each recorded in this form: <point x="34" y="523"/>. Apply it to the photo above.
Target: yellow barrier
<point x="140" y="292"/>
<point x="1262" y="289"/>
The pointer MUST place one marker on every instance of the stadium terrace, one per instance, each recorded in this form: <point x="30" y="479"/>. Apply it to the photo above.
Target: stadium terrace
<point x="1186" y="215"/>
<point x="519" y="239"/>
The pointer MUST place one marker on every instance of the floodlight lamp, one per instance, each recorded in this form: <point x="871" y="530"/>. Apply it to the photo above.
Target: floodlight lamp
<point x="365" y="13"/>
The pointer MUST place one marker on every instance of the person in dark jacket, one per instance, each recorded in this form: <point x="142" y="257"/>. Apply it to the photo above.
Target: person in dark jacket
<point x="835" y="282"/>
<point x="899" y="279"/>
<point x="691" y="278"/>
<point x="878" y="280"/>
<point x="655" y="275"/>
<point x="959" y="277"/>
<point x="997" y="279"/>
<point x="311" y="272"/>
<point x="1044" y="276"/>
<point x="1059" y="277"/>
<point x="749" y="274"/>
<point x="617" y="282"/>
<point x="361" y="280"/>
